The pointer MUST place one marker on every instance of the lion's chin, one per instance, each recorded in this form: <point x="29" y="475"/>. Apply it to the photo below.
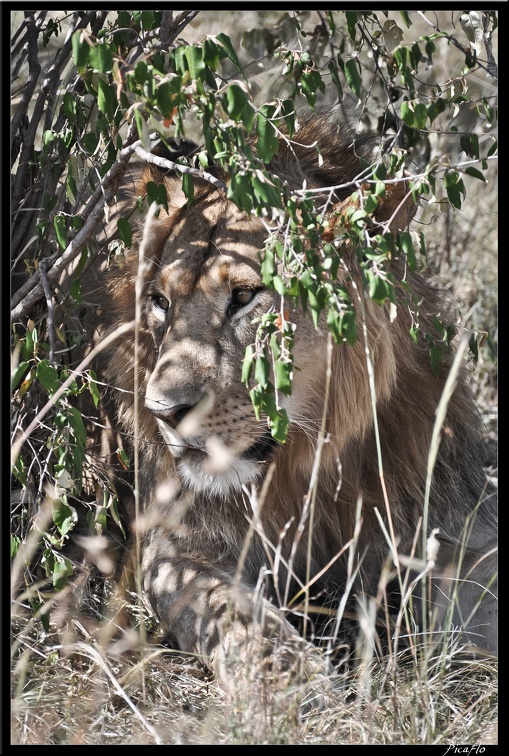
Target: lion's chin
<point x="214" y="468"/>
<point x="199" y="475"/>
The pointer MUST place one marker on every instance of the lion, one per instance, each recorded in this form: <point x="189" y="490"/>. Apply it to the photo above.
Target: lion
<point x="240" y="528"/>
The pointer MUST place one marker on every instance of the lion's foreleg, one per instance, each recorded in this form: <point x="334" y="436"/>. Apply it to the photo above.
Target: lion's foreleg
<point x="240" y="637"/>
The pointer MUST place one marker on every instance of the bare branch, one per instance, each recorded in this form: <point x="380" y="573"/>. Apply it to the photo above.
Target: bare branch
<point x="492" y="64"/>
<point x="171" y="166"/>
<point x="165" y="30"/>
<point x="51" y="81"/>
<point x="43" y="267"/>
<point x="172" y="27"/>
<point x="34" y="70"/>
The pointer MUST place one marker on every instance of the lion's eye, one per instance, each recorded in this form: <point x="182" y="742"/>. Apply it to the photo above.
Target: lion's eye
<point x="160" y="302"/>
<point x="240" y="298"/>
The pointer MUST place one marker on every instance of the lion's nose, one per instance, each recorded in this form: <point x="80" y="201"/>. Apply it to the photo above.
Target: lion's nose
<point x="171" y="415"/>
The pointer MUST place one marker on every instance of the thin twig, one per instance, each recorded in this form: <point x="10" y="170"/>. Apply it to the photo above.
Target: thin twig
<point x="171" y="166"/>
<point x="32" y="290"/>
<point x="117" y="333"/>
<point x="43" y="273"/>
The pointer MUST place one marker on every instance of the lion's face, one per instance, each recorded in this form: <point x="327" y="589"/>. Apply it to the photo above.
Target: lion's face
<point x="201" y="299"/>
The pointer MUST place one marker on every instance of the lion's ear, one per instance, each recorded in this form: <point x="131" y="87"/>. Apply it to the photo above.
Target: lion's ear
<point x="397" y="206"/>
<point x="175" y="196"/>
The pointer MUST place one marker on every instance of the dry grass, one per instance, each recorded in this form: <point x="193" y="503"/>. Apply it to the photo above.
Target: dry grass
<point x="71" y="686"/>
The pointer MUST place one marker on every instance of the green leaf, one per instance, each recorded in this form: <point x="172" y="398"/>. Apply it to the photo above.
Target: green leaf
<point x="188" y="188"/>
<point x="148" y="20"/>
<point x="64" y="516"/>
<point x="92" y="387"/>
<point x="278" y="285"/>
<point x="226" y="42"/>
<point x="288" y="110"/>
<point x="470" y="145"/>
<point x="283" y="372"/>
<point x="18" y="374"/>
<point x="59" y="224"/>
<point x="157" y="193"/>
<point x="492" y="149"/>
<point x="113" y="507"/>
<point x="351" y="21"/>
<point x="143" y="130"/>
<point x="100" y="57"/>
<point x="378" y="288"/>
<point x="19" y="471"/>
<point x="75" y="291"/>
<point x="76" y="422"/>
<point x="268" y="267"/>
<point x="165" y="99"/>
<point x="471" y="171"/>
<point x="69" y="105"/>
<point x="274" y="346"/>
<point x="48" y="139"/>
<point x="407" y="113"/>
<point x="335" y="77"/>
<point x="48" y="376"/>
<point x="211" y="53"/>
<point x="343" y="326"/>
<point x="62" y="571"/>
<point x="455" y="187"/>
<point x="125" y="231"/>
<point x="420" y="115"/>
<point x="266" y="193"/>
<point x="406" y="18"/>
<point x="262" y="371"/>
<point x="435" y="108"/>
<point x="310" y="82"/>
<point x="474" y="347"/>
<point x="15" y="543"/>
<point x="247" y="364"/>
<point x="359" y="215"/>
<point x="267" y="144"/>
<point x="90" y="141"/>
<point x="140" y="72"/>
<point x="237" y="100"/>
<point x="179" y="60"/>
<point x="30" y="345"/>
<point x="434" y="357"/>
<point x="240" y="190"/>
<point x="256" y="399"/>
<point x="194" y="61"/>
<point x="72" y="420"/>
<point x="123" y="459"/>
<point x="80" y="50"/>
<point x="353" y="77"/>
<point x="407" y="246"/>
<point x="279" y="426"/>
<point x="239" y="107"/>
<point x="105" y="99"/>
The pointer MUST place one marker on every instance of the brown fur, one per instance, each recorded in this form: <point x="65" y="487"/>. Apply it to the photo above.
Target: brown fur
<point x="192" y="573"/>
